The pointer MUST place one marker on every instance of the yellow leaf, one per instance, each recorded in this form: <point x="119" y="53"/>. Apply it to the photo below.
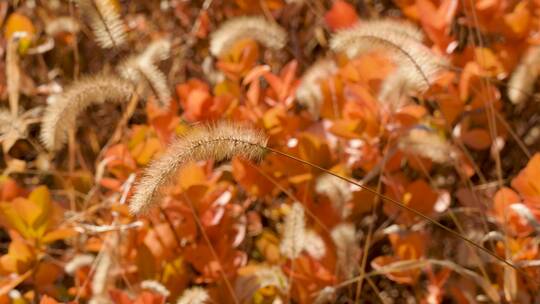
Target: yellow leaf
<point x="140" y="133"/>
<point x="20" y="24"/>
<point x="15" y="217"/>
<point x="30" y="217"/>
<point x="58" y="234"/>
<point x="268" y="245"/>
<point x="144" y="152"/>
<point x="41" y="200"/>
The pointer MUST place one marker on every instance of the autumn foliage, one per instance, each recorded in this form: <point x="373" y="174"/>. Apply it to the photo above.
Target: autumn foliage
<point x="272" y="151"/>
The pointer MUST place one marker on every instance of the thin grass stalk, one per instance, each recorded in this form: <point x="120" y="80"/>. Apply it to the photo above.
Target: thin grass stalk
<point x="229" y="141"/>
<point x="401" y="205"/>
<point x="291" y="196"/>
<point x="452" y="216"/>
<point x="493" y="133"/>
<point x="367" y="242"/>
<point x="214" y="253"/>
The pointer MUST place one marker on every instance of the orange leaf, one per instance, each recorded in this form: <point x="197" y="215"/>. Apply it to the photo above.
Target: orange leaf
<point x="363" y="201"/>
<point x="13" y="282"/>
<point x="9" y="189"/>
<point x="437" y="19"/>
<point x="488" y="61"/>
<point x="161" y="242"/>
<point x="506" y="215"/>
<point x="313" y="149"/>
<point x="347" y="128"/>
<point x="46" y="274"/>
<point x="308" y="276"/>
<point x="120" y="161"/>
<point x="191" y="174"/>
<point x="477" y="139"/>
<point x="250" y="178"/>
<point x="520" y="19"/>
<point x="451" y="107"/>
<point x="240" y="59"/>
<point x="58" y="234"/>
<point x="48" y="300"/>
<point x="527" y="183"/>
<point x="19" y="258"/>
<point x="341" y="15"/>
<point x="333" y="97"/>
<point x="408" y="245"/>
<point x="410" y="115"/>
<point x="417" y="195"/>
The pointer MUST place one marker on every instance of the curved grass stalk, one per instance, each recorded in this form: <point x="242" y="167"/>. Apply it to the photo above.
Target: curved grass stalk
<point x="225" y="140"/>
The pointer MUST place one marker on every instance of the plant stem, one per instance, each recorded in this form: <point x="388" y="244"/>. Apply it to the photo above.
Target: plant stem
<point x="402" y="205"/>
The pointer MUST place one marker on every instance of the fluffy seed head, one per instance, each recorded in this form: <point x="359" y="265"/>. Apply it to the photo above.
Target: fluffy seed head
<point x="194" y="295"/>
<point x="156" y="51"/>
<point x="156" y="287"/>
<point x="337" y="190"/>
<point x="521" y="83"/>
<point x="398" y="86"/>
<point x="142" y="68"/>
<point x="271" y="276"/>
<point x="314" y="245"/>
<point x="217" y="141"/>
<point x="422" y="64"/>
<point x="150" y="75"/>
<point x="404" y="28"/>
<point x="267" y="33"/>
<point x="294" y="232"/>
<point x="326" y="295"/>
<point x="346" y="240"/>
<point x="426" y="143"/>
<point x="61" y="115"/>
<point x="309" y="92"/>
<point x="105" y="21"/>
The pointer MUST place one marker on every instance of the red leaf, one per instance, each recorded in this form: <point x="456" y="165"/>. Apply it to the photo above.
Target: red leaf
<point x="341" y="15"/>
